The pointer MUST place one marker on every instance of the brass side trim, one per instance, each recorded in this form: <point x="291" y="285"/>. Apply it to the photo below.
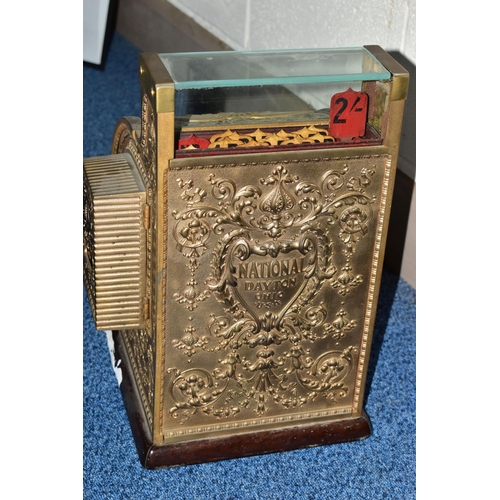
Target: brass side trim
<point x="373" y="288"/>
<point x="400" y="76"/>
<point x="155" y="77"/>
<point x="156" y="148"/>
<point x="114" y="242"/>
<point x="256" y="424"/>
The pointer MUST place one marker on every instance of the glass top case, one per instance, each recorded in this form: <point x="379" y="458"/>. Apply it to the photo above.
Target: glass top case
<point x="273" y="92"/>
<point x="200" y="70"/>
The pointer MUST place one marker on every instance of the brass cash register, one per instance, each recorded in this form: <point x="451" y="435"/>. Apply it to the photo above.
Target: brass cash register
<point x="233" y="245"/>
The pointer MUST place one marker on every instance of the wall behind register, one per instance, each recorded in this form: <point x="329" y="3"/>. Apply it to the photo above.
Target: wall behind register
<point x="191" y="25"/>
<point x="280" y="24"/>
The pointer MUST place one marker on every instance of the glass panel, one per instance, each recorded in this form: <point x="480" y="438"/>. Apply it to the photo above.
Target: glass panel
<point x="257" y="105"/>
<point x="276" y="94"/>
<point x="286" y="67"/>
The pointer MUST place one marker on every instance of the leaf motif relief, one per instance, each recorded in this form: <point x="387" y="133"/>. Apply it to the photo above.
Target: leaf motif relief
<point x="190" y="342"/>
<point x="191" y="296"/>
<point x="341" y="326"/>
<point x="346" y="280"/>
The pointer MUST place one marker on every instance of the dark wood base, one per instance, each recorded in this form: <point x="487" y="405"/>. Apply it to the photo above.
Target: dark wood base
<point x="158" y="456"/>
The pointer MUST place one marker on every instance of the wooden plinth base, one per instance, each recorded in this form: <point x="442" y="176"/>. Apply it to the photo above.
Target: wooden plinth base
<point x="158" y="456"/>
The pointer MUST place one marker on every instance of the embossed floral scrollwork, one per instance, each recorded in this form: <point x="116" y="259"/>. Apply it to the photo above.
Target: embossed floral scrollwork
<point x="229" y="332"/>
<point x="277" y="204"/>
<point x="339" y="327"/>
<point x="346" y="280"/>
<point x="193" y="389"/>
<point x="140" y="346"/>
<point x="190" y="342"/>
<point x="148" y="136"/>
<point x="300" y="324"/>
<point x="326" y="374"/>
<point x="230" y="361"/>
<point x="361" y="182"/>
<point x="332" y="181"/>
<point x="284" y="317"/>
<point x="235" y="205"/>
<point x="274" y="246"/>
<point x="270" y="381"/>
<point x="191" y="296"/>
<point x="278" y="209"/>
<point x="264" y="365"/>
<point x="192" y="233"/>
<point x="353" y="220"/>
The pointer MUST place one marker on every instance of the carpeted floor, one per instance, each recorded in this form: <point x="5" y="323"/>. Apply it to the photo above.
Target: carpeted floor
<point x="382" y="466"/>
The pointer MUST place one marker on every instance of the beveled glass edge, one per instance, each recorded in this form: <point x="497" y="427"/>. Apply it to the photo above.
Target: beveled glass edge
<point x="291" y="80"/>
<point x="279" y="81"/>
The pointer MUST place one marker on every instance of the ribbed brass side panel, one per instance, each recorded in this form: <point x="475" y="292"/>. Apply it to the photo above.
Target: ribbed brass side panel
<point x="114" y="241"/>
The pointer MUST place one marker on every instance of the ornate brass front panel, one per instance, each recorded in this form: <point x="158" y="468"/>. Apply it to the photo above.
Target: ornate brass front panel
<point x="270" y="280"/>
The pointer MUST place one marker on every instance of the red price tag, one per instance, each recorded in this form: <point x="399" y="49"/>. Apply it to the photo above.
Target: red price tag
<point x="348" y="112"/>
<point x="194" y="142"/>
